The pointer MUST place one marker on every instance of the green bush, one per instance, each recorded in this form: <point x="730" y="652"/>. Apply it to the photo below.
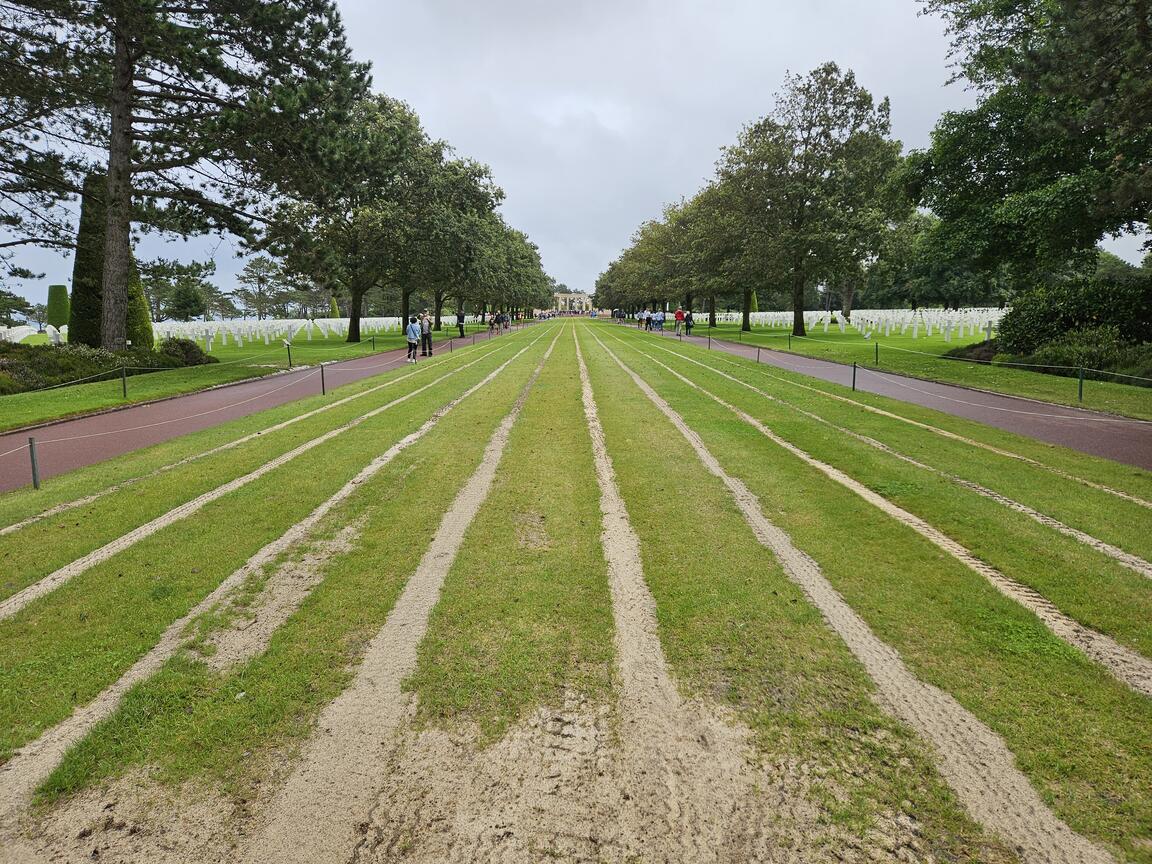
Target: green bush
<point x="57" y="314"/>
<point x="1095" y="348"/>
<point x="31" y="367"/>
<point x="1045" y="314"/>
<point x="138" y="325"/>
<point x="88" y="265"/>
<point x="189" y="353"/>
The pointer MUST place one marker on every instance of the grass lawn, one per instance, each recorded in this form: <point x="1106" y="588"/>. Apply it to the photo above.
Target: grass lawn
<point x="237" y="363"/>
<point x="895" y="356"/>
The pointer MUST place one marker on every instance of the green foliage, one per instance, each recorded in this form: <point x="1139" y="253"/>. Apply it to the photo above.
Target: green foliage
<point x="12" y="305"/>
<point x="1102" y="348"/>
<point x="30" y="367"/>
<point x="188" y="352"/>
<point x="88" y="266"/>
<point x="187" y="302"/>
<point x="333" y="308"/>
<point x="1046" y="313"/>
<point x="57" y="311"/>
<point x="138" y="330"/>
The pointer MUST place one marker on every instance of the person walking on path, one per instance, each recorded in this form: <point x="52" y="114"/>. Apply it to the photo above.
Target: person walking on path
<point x="679" y="316"/>
<point x="412" y="334"/>
<point x="425" y="334"/>
<point x="660" y="321"/>
<point x="460" y="322"/>
<point x="688" y="322"/>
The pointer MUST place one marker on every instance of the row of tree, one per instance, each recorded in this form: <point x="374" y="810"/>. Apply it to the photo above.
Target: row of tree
<point x="245" y="116"/>
<point x="816" y="200"/>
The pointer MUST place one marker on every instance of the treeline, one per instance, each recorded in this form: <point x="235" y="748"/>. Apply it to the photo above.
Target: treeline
<point x="815" y="205"/>
<point x="248" y="117"/>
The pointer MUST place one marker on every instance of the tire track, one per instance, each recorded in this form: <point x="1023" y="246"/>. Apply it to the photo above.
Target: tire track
<point x="693" y="794"/>
<point x="316" y="815"/>
<point x="1126" y="665"/>
<point x="952" y="436"/>
<point x="1125" y="559"/>
<point x="88" y="499"/>
<point x="973" y="759"/>
<point x="32" y="763"/>
<point x="14" y="603"/>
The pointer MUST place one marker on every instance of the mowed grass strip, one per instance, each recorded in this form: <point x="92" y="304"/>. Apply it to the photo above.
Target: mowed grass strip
<point x="1083" y="583"/>
<point x="236" y="727"/>
<point x="68" y="645"/>
<point x="738" y="632"/>
<point x="37" y="550"/>
<point x="525" y="613"/>
<point x="1079" y="735"/>
<point x="1106" y="516"/>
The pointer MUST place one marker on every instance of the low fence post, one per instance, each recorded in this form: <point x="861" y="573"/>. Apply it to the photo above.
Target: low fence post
<point x="35" y="463"/>
<point x="373" y="342"/>
<point x="1080" y="393"/>
<point x="789" y="341"/>
<point x="124" y="380"/>
<point x="757" y="353"/>
<point x="853" y="375"/>
<point x="323" y="386"/>
<point x="288" y="345"/>
<point x="877" y="353"/>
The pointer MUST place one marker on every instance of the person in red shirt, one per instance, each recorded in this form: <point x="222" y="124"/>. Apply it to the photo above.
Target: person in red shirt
<point x="679" y="319"/>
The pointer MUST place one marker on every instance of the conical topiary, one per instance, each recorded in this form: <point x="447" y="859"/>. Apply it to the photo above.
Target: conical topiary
<point x="138" y="328"/>
<point x="57" y="314"/>
<point x="88" y="266"/>
<point x="333" y="308"/>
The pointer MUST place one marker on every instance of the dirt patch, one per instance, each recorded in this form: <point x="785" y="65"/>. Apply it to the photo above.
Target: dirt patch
<point x="253" y="625"/>
<point x="531" y="532"/>
<point x="334" y="788"/>
<point x="135" y="819"/>
<point x="972" y="758"/>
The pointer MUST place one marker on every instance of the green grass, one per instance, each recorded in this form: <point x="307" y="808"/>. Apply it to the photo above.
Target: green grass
<point x="254" y="360"/>
<point x="736" y="630"/>
<point x="532" y="561"/>
<point x="851" y="347"/>
<point x="1103" y="515"/>
<point x="188" y="721"/>
<point x="1076" y="732"/>
<point x="1083" y="583"/>
<point x="67" y="646"/>
<point x="37" y="550"/>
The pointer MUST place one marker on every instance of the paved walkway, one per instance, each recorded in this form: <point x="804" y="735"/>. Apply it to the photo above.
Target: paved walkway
<point x="1120" y="439"/>
<point x="70" y="444"/>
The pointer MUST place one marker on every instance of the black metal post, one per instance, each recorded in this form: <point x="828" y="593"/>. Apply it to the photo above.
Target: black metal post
<point x="757" y="353"/>
<point x="1080" y="395"/>
<point x="853" y="374"/>
<point x="35" y="463"/>
<point x="288" y="345"/>
<point x="124" y="380"/>
<point x="323" y="386"/>
<point x="373" y="341"/>
<point x="789" y="341"/>
<point x="877" y="353"/>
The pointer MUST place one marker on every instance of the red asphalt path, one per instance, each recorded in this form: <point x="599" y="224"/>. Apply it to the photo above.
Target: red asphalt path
<point x="1117" y="438"/>
<point x="71" y="444"/>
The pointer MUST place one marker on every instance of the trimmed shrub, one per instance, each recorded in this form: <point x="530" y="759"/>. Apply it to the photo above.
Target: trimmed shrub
<point x="139" y="323"/>
<point x="189" y="353"/>
<point x="333" y="308"/>
<point x="58" y="306"/>
<point x="88" y="266"/>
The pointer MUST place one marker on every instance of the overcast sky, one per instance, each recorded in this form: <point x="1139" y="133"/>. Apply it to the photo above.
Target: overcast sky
<point x="594" y="113"/>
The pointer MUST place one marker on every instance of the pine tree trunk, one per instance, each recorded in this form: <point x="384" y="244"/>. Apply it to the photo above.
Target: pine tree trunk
<point x="746" y="311"/>
<point x="688" y="302"/>
<point x="405" y="306"/>
<point x="438" y="300"/>
<point x="712" y="310"/>
<point x="117" y="250"/>
<point x="847" y="295"/>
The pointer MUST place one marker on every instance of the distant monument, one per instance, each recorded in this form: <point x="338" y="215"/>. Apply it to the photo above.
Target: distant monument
<point x="571" y="301"/>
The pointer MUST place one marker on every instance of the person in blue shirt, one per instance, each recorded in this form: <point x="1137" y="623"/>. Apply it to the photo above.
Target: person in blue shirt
<point x="412" y="334"/>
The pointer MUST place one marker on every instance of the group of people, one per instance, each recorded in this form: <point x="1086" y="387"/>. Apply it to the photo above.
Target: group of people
<point x="419" y="335"/>
<point x="650" y="320"/>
